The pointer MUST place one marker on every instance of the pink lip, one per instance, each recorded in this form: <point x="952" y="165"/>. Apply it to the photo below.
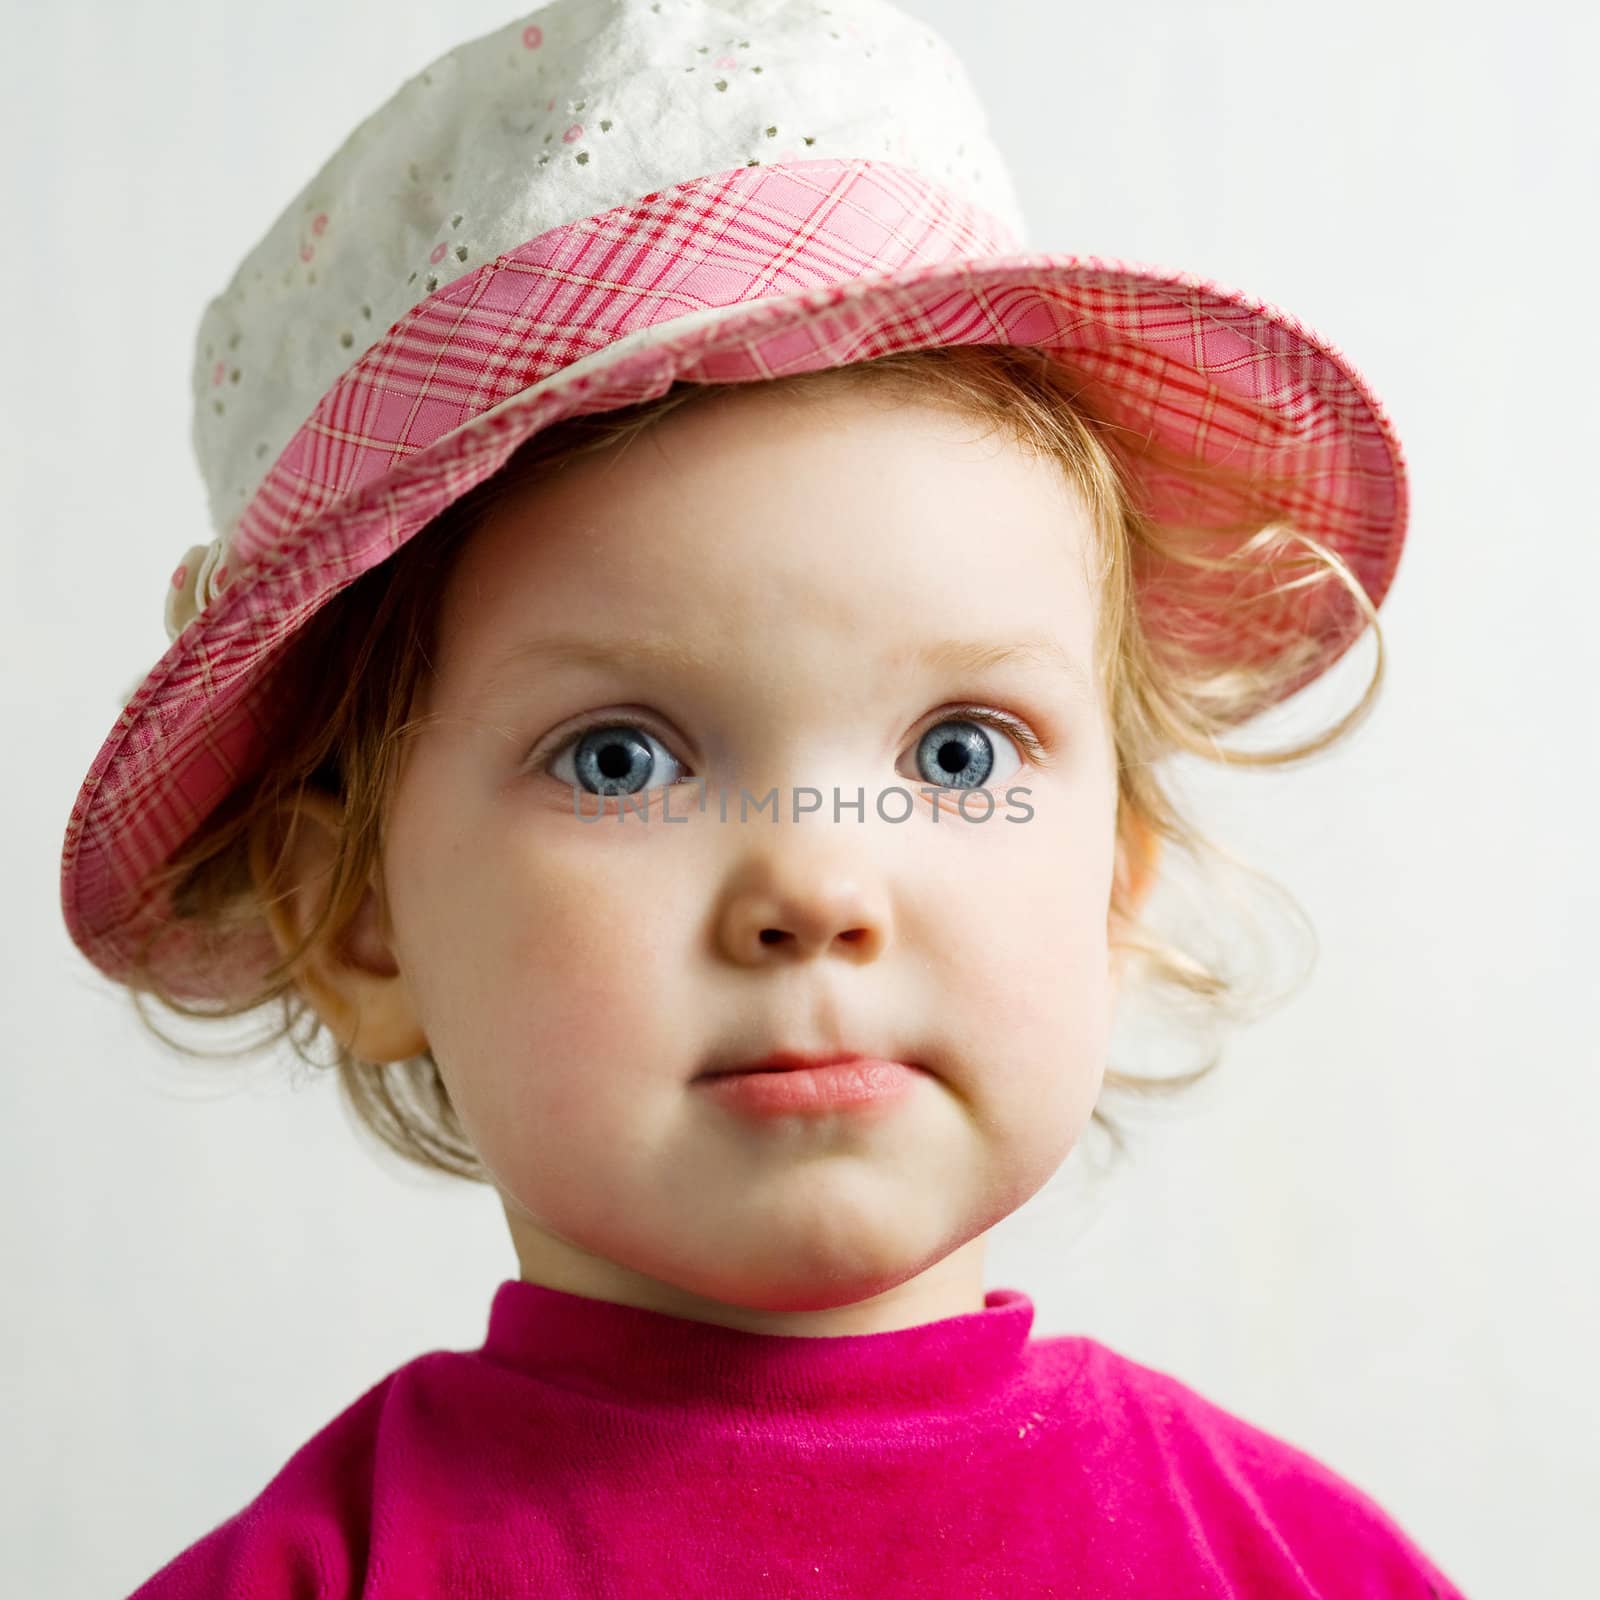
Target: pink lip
<point x="788" y="1083"/>
<point x="788" y="1061"/>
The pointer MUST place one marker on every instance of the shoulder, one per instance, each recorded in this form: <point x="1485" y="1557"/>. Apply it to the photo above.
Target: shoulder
<point x="1242" y="1484"/>
<point x="303" y="1537"/>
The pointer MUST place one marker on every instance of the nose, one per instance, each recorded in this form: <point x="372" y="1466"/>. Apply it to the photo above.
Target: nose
<point x="789" y="908"/>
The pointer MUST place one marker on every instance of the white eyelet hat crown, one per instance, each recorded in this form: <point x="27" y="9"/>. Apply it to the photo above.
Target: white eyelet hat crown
<point x="554" y="118"/>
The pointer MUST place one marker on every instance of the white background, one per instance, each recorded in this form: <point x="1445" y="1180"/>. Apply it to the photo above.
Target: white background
<point x="1373" y="1235"/>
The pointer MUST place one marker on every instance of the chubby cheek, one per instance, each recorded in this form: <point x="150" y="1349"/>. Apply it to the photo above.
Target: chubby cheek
<point x="561" y="1012"/>
<point x="1028" y="999"/>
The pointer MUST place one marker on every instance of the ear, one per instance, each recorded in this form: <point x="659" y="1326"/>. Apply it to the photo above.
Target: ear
<point x="350" y="976"/>
<point x="1138" y="856"/>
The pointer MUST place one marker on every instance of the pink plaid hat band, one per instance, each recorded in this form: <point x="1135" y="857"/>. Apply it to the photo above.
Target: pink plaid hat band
<point x="736" y="271"/>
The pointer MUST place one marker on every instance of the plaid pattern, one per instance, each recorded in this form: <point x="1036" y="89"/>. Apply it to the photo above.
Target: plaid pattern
<point x="734" y="277"/>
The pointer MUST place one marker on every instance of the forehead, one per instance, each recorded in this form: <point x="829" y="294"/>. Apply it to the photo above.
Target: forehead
<point x="673" y="653"/>
<point x="842" y="520"/>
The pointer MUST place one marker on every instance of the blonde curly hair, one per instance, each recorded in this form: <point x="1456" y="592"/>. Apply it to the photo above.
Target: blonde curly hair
<point x="347" y="684"/>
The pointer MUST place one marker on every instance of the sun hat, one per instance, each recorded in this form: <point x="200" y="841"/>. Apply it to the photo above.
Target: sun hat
<point x="568" y="215"/>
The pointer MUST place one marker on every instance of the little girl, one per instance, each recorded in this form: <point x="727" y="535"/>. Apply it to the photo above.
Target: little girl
<point x="678" y="696"/>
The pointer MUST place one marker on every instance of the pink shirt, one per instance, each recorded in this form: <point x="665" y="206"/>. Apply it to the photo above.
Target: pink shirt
<point x="592" y="1449"/>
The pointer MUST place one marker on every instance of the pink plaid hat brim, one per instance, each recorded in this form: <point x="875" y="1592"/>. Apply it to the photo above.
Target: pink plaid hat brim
<point x="768" y="270"/>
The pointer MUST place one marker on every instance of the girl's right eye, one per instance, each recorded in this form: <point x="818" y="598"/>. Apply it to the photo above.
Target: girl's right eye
<point x="611" y="758"/>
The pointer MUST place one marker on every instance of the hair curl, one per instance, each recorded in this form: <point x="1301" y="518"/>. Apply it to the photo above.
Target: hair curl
<point x="345" y="688"/>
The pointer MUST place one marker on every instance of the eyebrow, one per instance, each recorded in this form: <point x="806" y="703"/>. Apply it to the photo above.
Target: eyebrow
<point x="673" y="652"/>
<point x="970" y="655"/>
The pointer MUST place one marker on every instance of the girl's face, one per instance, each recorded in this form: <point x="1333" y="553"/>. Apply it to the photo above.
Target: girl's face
<point x="754" y="584"/>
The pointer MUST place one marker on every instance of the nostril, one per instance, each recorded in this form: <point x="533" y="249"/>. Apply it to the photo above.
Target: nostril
<point x="771" y="935"/>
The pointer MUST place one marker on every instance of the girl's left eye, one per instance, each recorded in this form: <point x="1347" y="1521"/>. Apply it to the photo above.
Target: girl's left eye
<point x="957" y="753"/>
<point x="618" y="757"/>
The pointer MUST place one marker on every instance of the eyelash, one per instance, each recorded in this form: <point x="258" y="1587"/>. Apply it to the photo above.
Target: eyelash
<point x="1004" y="721"/>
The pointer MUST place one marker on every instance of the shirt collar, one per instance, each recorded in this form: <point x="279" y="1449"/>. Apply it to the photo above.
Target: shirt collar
<point x="959" y="1364"/>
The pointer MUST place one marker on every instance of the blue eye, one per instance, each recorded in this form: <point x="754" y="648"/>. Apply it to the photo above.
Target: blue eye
<point x="614" y="758"/>
<point x="957" y="753"/>
<point x="618" y="757"/>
